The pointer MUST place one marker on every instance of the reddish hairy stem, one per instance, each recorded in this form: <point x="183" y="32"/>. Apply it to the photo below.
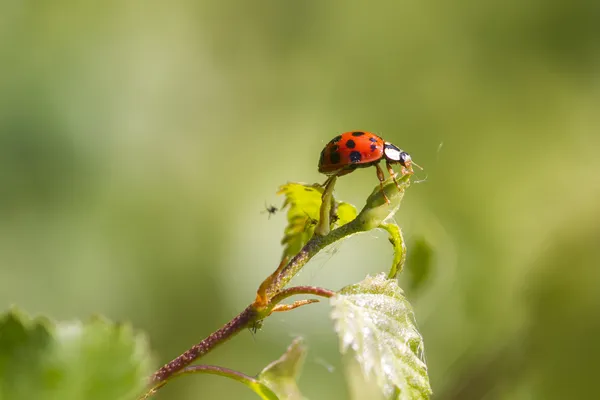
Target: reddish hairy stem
<point x="314" y="245"/>
<point x="272" y="289"/>
<point x="243" y="320"/>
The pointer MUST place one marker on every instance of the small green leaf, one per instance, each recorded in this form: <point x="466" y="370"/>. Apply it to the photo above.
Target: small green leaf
<point x="345" y="213"/>
<point x="262" y="390"/>
<point x="93" y="360"/>
<point x="397" y="242"/>
<point x="375" y="320"/>
<point x="304" y="203"/>
<point x="377" y="211"/>
<point x="281" y="374"/>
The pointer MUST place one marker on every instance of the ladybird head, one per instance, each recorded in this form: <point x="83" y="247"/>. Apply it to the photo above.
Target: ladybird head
<point x="405" y="160"/>
<point x="395" y="155"/>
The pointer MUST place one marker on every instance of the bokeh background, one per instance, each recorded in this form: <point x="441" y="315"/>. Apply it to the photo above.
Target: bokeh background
<point x="140" y="141"/>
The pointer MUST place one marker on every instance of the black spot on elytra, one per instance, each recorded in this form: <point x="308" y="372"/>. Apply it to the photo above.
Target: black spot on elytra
<point x="373" y="147"/>
<point x="335" y="147"/>
<point x="372" y="139"/>
<point x="350" y="144"/>
<point x="334" y="157"/>
<point x="336" y="139"/>
<point x="357" y="133"/>
<point x="355" y="157"/>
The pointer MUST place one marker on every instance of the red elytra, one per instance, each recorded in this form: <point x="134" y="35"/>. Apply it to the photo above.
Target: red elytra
<point x="359" y="149"/>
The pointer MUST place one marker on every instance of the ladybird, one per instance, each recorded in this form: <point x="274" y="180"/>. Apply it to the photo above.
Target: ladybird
<point x="351" y="150"/>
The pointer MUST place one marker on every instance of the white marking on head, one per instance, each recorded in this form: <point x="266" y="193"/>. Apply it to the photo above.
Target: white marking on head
<point x="391" y="152"/>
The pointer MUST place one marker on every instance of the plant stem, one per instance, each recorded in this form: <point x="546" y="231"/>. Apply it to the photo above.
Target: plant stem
<point x="399" y="248"/>
<point x="272" y="289"/>
<point x="375" y="212"/>
<point x="251" y="382"/>
<point x="317" y="291"/>
<point x="243" y="320"/>
<point x="315" y="245"/>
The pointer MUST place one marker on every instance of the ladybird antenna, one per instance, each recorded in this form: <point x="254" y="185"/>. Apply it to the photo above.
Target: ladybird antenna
<point x="417" y="165"/>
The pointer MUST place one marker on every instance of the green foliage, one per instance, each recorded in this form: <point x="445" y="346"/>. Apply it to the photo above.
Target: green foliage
<point x="304" y="203"/>
<point x="112" y="128"/>
<point x="375" y="320"/>
<point x="397" y="242"/>
<point x="101" y="360"/>
<point x="345" y="213"/>
<point x="282" y="373"/>
<point x="23" y="343"/>
<point x="376" y="212"/>
<point x="261" y="389"/>
<point x="373" y="317"/>
<point x="96" y="360"/>
<point x="277" y="381"/>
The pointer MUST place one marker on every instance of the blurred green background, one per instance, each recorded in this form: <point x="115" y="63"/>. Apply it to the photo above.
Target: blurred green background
<point x="139" y="143"/>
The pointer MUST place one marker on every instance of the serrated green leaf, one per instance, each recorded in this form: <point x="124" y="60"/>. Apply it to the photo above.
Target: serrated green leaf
<point x="304" y="203"/>
<point x="397" y="242"/>
<point x="281" y="374"/>
<point x="375" y="320"/>
<point x="359" y="387"/>
<point x="102" y="360"/>
<point x="24" y="344"/>
<point x="93" y="360"/>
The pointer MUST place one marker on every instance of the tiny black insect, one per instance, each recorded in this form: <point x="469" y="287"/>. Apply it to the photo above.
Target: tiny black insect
<point x="334" y="218"/>
<point x="271" y="209"/>
<point x="255" y="326"/>
<point x="309" y="222"/>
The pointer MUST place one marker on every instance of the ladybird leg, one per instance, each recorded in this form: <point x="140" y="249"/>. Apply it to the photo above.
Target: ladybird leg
<point x="407" y="170"/>
<point x="381" y="179"/>
<point x="393" y="174"/>
<point x="337" y="173"/>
